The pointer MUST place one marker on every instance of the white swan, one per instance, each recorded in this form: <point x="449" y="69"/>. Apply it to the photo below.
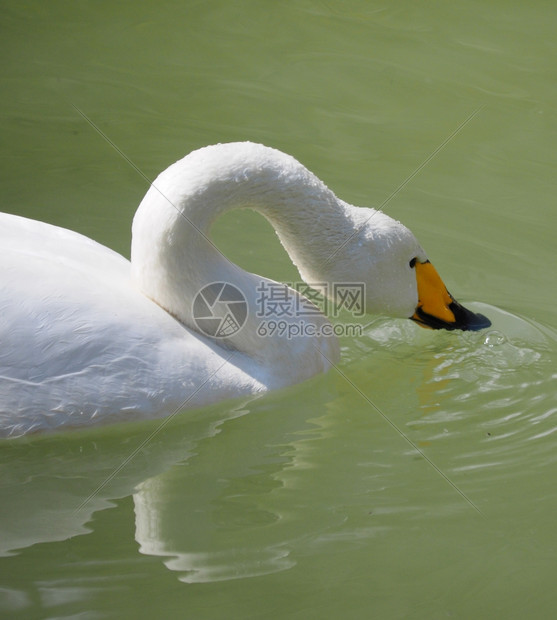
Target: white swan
<point x="87" y="337"/>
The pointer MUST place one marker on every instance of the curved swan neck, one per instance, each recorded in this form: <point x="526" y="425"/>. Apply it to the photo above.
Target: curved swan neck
<point x="215" y="179"/>
<point x="174" y="219"/>
<point x="172" y="256"/>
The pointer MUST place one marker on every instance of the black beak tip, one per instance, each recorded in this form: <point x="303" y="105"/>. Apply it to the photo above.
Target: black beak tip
<point x="466" y="320"/>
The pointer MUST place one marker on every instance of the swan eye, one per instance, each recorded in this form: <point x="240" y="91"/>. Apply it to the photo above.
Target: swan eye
<point x="412" y="263"/>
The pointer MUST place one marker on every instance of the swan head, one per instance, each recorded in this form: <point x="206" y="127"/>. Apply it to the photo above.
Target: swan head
<point x="398" y="278"/>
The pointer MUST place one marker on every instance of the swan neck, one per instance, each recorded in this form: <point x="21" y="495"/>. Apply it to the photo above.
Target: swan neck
<point x="173" y="257"/>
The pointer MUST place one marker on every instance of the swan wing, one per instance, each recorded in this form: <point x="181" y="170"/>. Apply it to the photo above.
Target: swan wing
<point x="79" y="344"/>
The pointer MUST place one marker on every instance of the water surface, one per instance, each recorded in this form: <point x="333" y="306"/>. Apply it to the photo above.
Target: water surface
<point x="418" y="479"/>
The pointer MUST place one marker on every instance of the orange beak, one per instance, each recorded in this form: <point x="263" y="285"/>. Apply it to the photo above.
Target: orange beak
<point x="437" y="308"/>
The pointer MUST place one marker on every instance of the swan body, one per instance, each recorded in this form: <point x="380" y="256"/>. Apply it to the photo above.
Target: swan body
<point x="88" y="337"/>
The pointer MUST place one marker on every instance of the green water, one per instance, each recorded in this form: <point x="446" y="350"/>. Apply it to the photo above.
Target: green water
<point x="419" y="479"/>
